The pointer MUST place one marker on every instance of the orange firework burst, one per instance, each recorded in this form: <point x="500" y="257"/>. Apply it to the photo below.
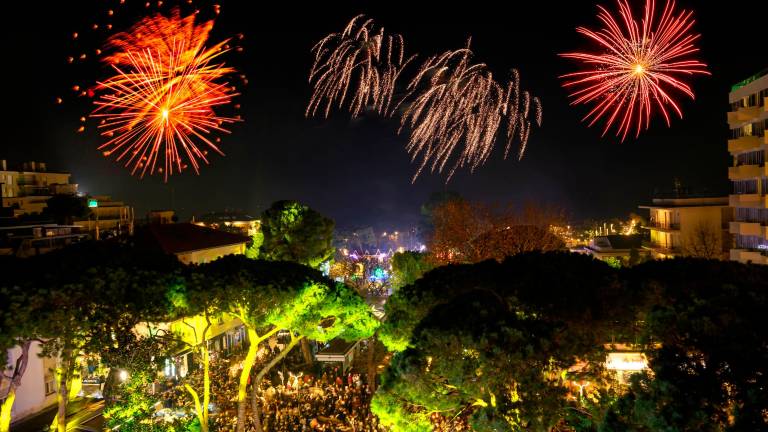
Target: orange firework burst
<point x="460" y="111"/>
<point x="161" y="101"/>
<point x="640" y="66"/>
<point x="360" y="56"/>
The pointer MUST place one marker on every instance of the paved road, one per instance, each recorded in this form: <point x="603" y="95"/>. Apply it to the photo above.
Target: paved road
<point x="82" y="415"/>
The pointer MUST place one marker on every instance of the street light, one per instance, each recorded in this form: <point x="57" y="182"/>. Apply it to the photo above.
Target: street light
<point x="123" y="375"/>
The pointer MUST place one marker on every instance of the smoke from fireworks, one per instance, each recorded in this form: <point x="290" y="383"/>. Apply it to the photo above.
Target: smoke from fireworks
<point x="362" y="61"/>
<point x="458" y="108"/>
<point x="639" y="67"/>
<point x="158" y="110"/>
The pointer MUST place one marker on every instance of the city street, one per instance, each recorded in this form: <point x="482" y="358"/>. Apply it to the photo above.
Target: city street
<point x="82" y="414"/>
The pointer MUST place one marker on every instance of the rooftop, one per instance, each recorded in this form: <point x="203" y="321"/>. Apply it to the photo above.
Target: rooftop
<point x="616" y="242"/>
<point x="338" y="346"/>
<point x="753" y="78"/>
<point x="227" y="216"/>
<point x="185" y="237"/>
<point x="688" y="201"/>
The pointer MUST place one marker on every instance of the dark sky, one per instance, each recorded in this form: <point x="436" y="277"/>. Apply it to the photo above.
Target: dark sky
<point x="358" y="171"/>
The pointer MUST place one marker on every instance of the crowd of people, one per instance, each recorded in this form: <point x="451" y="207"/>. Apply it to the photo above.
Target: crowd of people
<point x="305" y="401"/>
<point x="332" y="402"/>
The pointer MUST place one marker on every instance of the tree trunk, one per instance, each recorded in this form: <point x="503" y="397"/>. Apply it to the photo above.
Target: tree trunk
<point x="307" y="352"/>
<point x="250" y="359"/>
<point x="109" y="385"/>
<point x="371" y="361"/>
<point x="5" y="409"/>
<point x="263" y="372"/>
<point x="256" y="411"/>
<point x="13" y="384"/>
<point x="206" y="385"/>
<point x="63" y="393"/>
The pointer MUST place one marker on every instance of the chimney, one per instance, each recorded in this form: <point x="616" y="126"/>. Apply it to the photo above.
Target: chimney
<point x="3" y="165"/>
<point x="41" y="166"/>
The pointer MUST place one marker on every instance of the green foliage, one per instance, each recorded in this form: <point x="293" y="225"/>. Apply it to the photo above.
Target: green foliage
<point x="285" y="295"/>
<point x="134" y="404"/>
<point x="489" y="342"/>
<point x="92" y="291"/>
<point x="87" y="299"/>
<point x="711" y="371"/>
<point x="295" y="232"/>
<point x="408" y="266"/>
<point x="257" y="239"/>
<point x="548" y="280"/>
<point x="613" y="262"/>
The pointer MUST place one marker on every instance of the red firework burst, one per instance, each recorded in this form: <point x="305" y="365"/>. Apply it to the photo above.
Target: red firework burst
<point x="159" y="108"/>
<point x="641" y="66"/>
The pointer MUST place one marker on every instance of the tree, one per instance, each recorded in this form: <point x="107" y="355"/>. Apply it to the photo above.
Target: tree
<point x="17" y="329"/>
<point x="66" y="208"/>
<point x="129" y="404"/>
<point x="257" y="239"/>
<point x="407" y="267"/>
<point x="272" y="296"/>
<point x="295" y="232"/>
<point x="436" y="199"/>
<point x="87" y="297"/>
<point x="456" y="225"/>
<point x="503" y="365"/>
<point x="710" y="371"/>
<point x="704" y="241"/>
<point x="468" y="232"/>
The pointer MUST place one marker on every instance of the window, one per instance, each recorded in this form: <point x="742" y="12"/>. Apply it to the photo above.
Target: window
<point x="751" y="158"/>
<point x="751" y="242"/>
<point x="756" y="129"/>
<point x="744" y="187"/>
<point x="755" y="215"/>
<point x="50" y="386"/>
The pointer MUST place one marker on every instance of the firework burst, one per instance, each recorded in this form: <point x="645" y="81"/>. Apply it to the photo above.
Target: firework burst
<point x="158" y="110"/>
<point x="641" y="66"/>
<point x="362" y="61"/>
<point x="457" y="110"/>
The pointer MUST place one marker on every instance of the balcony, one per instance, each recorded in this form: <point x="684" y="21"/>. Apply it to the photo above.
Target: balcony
<point x="659" y="251"/>
<point x="746" y="143"/>
<point x="748" y="200"/>
<point x="747" y="255"/>
<point x="660" y="226"/>
<point x="743" y="115"/>
<point x="742" y="172"/>
<point x="746" y="228"/>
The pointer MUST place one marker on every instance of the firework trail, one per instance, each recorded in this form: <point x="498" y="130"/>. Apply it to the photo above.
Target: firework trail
<point x="639" y="66"/>
<point x="454" y="112"/>
<point x="362" y="63"/>
<point x="160" y="103"/>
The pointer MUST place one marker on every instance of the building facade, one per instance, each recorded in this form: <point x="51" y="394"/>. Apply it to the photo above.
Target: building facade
<point x="748" y="121"/>
<point x="107" y="218"/>
<point x="621" y="249"/>
<point x="689" y="226"/>
<point x="27" y="190"/>
<point x="34" y="239"/>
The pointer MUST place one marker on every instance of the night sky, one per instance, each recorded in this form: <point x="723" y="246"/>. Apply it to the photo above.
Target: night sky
<point x="358" y="171"/>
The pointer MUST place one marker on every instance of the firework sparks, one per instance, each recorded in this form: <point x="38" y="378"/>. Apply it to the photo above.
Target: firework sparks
<point x="640" y="67"/>
<point x="456" y="102"/>
<point x="360" y="56"/>
<point x="159" y="106"/>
